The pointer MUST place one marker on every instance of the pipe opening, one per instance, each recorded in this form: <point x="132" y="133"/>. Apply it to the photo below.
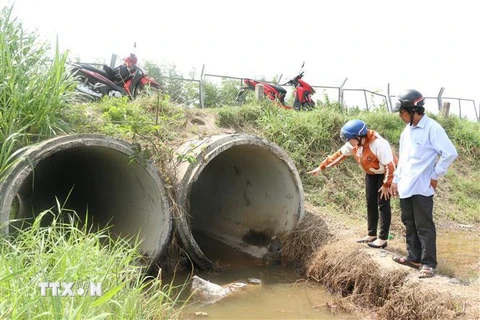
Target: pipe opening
<point x="101" y="181"/>
<point x="246" y="197"/>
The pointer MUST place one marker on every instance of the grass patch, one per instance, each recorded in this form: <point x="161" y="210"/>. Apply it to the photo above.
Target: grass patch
<point x="66" y="252"/>
<point x="308" y="137"/>
<point x="35" y="85"/>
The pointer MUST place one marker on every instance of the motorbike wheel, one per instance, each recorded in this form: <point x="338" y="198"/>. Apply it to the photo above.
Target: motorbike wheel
<point x="311" y="105"/>
<point x="308" y="106"/>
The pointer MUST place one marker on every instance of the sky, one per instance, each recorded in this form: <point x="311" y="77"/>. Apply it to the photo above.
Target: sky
<point x="418" y="44"/>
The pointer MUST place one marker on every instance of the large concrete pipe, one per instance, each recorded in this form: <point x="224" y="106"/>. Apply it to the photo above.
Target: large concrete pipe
<point x="240" y="190"/>
<point x="90" y="173"/>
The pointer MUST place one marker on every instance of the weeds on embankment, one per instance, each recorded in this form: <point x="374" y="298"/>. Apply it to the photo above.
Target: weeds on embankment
<point x="309" y="137"/>
<point x="67" y="251"/>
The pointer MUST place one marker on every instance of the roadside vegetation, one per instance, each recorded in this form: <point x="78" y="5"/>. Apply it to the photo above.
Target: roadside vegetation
<point x="37" y="101"/>
<point x="310" y="136"/>
<point x="68" y="252"/>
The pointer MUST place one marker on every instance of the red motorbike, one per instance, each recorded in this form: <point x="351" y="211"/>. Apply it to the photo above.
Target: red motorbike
<point x="302" y="93"/>
<point x="128" y="79"/>
<point x="272" y="92"/>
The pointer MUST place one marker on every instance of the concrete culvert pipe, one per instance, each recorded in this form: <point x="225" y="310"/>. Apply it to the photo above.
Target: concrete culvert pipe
<point x="240" y="190"/>
<point x="99" y="175"/>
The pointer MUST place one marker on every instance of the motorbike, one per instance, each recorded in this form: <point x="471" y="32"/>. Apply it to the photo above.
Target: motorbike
<point x="272" y="92"/>
<point x="129" y="79"/>
<point x="302" y="93"/>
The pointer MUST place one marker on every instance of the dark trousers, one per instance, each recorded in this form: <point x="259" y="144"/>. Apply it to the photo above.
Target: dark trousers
<point x="417" y="216"/>
<point x="375" y="204"/>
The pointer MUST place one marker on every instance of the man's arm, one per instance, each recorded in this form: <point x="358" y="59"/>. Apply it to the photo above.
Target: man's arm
<point x="445" y="149"/>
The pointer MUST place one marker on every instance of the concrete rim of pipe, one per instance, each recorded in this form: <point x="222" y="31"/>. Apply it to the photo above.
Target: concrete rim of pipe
<point x="241" y="190"/>
<point x="119" y="189"/>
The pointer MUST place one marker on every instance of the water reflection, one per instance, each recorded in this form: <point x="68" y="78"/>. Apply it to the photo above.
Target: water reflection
<point x="460" y="249"/>
<point x="280" y="296"/>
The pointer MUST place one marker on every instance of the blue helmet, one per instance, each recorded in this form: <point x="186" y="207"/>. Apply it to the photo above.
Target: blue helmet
<point x="353" y="129"/>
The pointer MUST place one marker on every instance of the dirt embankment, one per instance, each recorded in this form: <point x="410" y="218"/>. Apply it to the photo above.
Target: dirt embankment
<point x="365" y="280"/>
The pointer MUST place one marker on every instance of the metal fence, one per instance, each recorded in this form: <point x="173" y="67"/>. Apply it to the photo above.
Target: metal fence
<point x="213" y="91"/>
<point x="348" y="98"/>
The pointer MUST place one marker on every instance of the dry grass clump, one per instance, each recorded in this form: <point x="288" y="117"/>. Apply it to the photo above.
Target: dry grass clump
<point x="310" y="234"/>
<point x="413" y="302"/>
<point x="174" y="259"/>
<point x="363" y="285"/>
<point x="347" y="270"/>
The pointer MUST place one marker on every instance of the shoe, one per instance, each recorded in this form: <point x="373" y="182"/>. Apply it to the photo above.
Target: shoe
<point x="406" y="262"/>
<point x="377" y="246"/>
<point x="426" y="272"/>
<point x="366" y="239"/>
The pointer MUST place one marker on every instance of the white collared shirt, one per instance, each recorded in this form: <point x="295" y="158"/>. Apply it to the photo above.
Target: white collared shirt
<point x="426" y="152"/>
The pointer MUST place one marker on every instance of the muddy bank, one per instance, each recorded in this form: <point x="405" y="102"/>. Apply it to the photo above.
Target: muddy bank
<point x="367" y="282"/>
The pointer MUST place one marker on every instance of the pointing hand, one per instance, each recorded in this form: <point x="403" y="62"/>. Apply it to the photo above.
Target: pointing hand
<point x="315" y="171"/>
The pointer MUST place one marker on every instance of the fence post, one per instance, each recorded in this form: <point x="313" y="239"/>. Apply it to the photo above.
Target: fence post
<point x="259" y="92"/>
<point x="477" y="113"/>
<point x="113" y="60"/>
<point x="279" y="78"/>
<point x="366" y="100"/>
<point x="202" y="98"/>
<point x="439" y="98"/>
<point x="340" y="94"/>
<point x="389" y="99"/>
<point x="460" y="108"/>
<point x="446" y="109"/>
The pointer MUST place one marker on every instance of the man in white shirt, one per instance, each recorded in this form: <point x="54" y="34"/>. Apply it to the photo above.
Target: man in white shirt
<point x="425" y="154"/>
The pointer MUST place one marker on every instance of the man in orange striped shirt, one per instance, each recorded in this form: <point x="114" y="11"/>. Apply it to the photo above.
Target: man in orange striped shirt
<point x="375" y="156"/>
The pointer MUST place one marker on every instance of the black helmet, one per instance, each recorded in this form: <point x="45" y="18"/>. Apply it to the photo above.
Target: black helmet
<point x="409" y="99"/>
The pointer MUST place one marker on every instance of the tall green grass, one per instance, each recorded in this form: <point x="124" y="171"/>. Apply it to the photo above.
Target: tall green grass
<point x="33" y="88"/>
<point x="66" y="252"/>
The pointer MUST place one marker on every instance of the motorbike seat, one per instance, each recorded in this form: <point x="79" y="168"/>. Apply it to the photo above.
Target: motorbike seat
<point x="92" y="68"/>
<point x="109" y="71"/>
<point x="279" y="89"/>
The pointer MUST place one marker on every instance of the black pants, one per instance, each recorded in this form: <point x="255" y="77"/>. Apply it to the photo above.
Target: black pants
<point x="417" y="216"/>
<point x="375" y="204"/>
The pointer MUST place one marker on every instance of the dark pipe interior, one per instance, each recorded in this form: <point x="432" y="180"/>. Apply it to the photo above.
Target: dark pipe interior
<point x="244" y="198"/>
<point x="97" y="180"/>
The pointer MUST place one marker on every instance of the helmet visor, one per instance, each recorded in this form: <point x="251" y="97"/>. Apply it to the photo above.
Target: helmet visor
<point x="344" y="136"/>
<point x="397" y="104"/>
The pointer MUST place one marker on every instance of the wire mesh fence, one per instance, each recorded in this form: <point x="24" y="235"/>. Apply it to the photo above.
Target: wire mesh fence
<point x="215" y="91"/>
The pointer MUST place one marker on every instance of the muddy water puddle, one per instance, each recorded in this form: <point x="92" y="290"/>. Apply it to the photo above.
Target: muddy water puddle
<point x="459" y="249"/>
<point x="282" y="294"/>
